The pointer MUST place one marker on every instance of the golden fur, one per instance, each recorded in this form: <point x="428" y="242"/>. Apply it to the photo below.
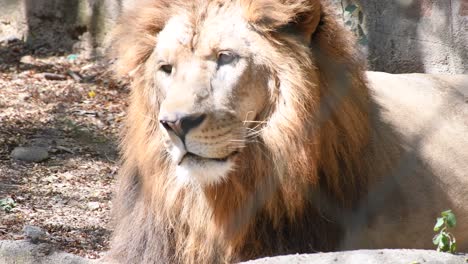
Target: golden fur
<point x="301" y="185"/>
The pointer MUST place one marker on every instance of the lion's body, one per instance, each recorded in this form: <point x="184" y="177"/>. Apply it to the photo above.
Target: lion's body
<point x="428" y="117"/>
<point x="338" y="163"/>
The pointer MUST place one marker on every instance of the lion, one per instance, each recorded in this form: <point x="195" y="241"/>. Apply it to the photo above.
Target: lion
<point x="254" y="130"/>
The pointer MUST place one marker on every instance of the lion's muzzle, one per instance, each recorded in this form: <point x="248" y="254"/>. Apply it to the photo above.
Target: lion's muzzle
<point x="202" y="146"/>
<point x="208" y="135"/>
<point x="182" y="124"/>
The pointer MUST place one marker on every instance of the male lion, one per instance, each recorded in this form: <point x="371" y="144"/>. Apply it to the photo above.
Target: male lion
<point x="253" y="131"/>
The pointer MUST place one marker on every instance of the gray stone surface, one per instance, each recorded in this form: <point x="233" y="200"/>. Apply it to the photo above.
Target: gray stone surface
<point x="34" y="233"/>
<point x="386" y="256"/>
<point x="417" y="35"/>
<point x="30" y="154"/>
<point x="23" y="252"/>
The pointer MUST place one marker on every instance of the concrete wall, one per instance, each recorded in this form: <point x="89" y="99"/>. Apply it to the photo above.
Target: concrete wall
<point x="416" y="35"/>
<point x="403" y="35"/>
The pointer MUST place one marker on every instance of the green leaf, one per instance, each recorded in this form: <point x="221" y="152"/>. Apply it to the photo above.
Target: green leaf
<point x="439" y="224"/>
<point x="363" y="41"/>
<point x="451" y="219"/>
<point x="453" y="247"/>
<point x="351" y="8"/>
<point x="436" y="239"/>
<point x="443" y="248"/>
<point x="72" y="57"/>
<point x="446" y="212"/>
<point x="444" y="244"/>
<point x="7" y="204"/>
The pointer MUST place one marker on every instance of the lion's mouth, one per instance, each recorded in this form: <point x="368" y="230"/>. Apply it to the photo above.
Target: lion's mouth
<point x="194" y="157"/>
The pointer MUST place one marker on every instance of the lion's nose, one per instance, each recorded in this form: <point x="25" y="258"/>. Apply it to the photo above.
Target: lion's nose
<point x="182" y="124"/>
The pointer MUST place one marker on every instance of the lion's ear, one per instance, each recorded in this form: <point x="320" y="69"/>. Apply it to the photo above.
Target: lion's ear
<point x="134" y="37"/>
<point x="300" y="17"/>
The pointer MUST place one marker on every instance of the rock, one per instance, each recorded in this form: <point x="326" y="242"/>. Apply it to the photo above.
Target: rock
<point x="384" y="256"/>
<point x="93" y="206"/>
<point x="30" y="154"/>
<point x="34" y="233"/>
<point x="43" y="249"/>
<point x="26" y="253"/>
<point x="13" y="252"/>
<point x="28" y="59"/>
<point x="9" y="39"/>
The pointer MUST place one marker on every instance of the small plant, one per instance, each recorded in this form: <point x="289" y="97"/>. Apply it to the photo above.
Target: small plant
<point x="7" y="204"/>
<point x="444" y="240"/>
<point x="353" y="18"/>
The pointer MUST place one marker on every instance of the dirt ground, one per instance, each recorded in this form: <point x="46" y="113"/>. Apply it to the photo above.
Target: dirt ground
<point x="73" y="108"/>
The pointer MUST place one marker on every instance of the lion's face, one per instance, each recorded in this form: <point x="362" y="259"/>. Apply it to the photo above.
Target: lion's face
<point x="212" y="93"/>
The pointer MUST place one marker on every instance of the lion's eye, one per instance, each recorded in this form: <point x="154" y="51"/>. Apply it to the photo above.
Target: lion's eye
<point x="226" y="57"/>
<point x="167" y="68"/>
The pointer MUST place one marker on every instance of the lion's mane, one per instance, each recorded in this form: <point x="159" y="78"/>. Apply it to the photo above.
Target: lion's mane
<point x="294" y="187"/>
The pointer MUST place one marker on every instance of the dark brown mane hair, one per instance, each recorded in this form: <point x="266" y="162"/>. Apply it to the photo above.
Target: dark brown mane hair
<point x="293" y="190"/>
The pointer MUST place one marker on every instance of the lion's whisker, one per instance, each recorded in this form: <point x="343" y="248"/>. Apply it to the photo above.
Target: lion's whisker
<point x="262" y="122"/>
<point x="255" y="127"/>
<point x="254" y="134"/>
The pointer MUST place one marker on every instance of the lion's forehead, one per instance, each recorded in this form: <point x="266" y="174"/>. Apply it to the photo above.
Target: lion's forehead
<point x="218" y="31"/>
<point x="177" y="31"/>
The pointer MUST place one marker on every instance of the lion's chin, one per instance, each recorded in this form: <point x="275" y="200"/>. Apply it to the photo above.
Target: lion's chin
<point x="194" y="170"/>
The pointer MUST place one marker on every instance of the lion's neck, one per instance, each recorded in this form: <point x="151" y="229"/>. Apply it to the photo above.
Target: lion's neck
<point x="260" y="210"/>
<point x="276" y="203"/>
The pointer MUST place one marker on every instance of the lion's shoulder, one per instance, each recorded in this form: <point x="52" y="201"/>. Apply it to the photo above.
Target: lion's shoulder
<point x="429" y="113"/>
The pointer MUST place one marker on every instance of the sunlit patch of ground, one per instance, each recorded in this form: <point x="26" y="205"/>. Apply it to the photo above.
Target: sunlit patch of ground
<point x="77" y="118"/>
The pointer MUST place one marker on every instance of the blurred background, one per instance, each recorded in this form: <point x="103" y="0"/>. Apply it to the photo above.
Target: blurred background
<point x="399" y="35"/>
